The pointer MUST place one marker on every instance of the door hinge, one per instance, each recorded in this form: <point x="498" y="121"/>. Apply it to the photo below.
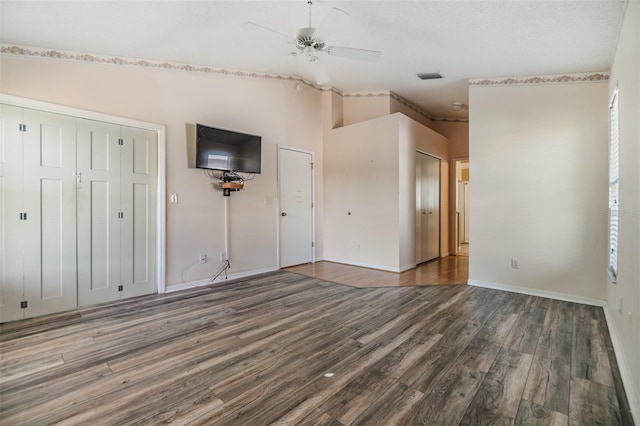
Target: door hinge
<point x="311" y="205"/>
<point x="312" y="244"/>
<point x="23" y="216"/>
<point x="120" y="142"/>
<point x="120" y="215"/>
<point x="22" y="127"/>
<point x="311" y="165"/>
<point x="120" y="288"/>
<point x="23" y="304"/>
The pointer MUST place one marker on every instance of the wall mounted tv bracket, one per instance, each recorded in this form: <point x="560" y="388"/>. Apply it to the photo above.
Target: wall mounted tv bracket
<point x="231" y="181"/>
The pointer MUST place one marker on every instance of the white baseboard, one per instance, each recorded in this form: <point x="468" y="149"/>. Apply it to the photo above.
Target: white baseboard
<point x="384" y="268"/>
<point x="206" y="281"/>
<point x="364" y="265"/>
<point x="633" y="396"/>
<point x="407" y="267"/>
<point x="537" y="292"/>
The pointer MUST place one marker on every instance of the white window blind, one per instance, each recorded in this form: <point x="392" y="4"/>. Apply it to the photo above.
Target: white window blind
<point x="614" y="179"/>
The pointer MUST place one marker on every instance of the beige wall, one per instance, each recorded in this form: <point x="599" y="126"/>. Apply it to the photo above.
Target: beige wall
<point x="626" y="293"/>
<point x="397" y="106"/>
<point x="458" y="134"/>
<point x="357" y="109"/>
<point x="539" y="189"/>
<point x="270" y="108"/>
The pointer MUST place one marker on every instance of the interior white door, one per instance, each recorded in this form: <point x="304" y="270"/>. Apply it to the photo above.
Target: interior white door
<point x="138" y="206"/>
<point x="427" y="207"/>
<point x="98" y="208"/>
<point x="461" y="212"/>
<point x="11" y="191"/>
<point x="49" y="239"/>
<point x="295" y="176"/>
<point x="466" y="212"/>
<point x="116" y="212"/>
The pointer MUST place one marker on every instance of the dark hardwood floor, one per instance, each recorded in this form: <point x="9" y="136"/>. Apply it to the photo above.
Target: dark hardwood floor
<point x="257" y="351"/>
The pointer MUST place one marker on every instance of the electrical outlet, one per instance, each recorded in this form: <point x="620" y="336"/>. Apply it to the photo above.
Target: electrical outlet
<point x="202" y="258"/>
<point x="515" y="263"/>
<point x="223" y="255"/>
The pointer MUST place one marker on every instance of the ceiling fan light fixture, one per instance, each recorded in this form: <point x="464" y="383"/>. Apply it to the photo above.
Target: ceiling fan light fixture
<point x="429" y="75"/>
<point x="456" y="105"/>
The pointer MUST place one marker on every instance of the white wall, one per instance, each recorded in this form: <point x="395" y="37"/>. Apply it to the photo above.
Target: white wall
<point x="626" y="321"/>
<point x="370" y="172"/>
<point x="361" y="177"/>
<point x="270" y="108"/>
<point x="539" y="189"/>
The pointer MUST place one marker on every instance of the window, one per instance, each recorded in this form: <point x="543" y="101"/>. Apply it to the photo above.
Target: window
<point x="614" y="180"/>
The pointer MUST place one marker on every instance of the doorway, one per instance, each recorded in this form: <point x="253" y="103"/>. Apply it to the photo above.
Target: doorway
<point x="462" y="208"/>
<point x="427" y="207"/>
<point x="296" y="226"/>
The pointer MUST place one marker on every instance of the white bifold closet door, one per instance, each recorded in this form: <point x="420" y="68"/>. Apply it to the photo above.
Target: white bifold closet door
<point x="116" y="212"/>
<point x="38" y="213"/>
<point x="427" y="207"/>
<point x="77" y="212"/>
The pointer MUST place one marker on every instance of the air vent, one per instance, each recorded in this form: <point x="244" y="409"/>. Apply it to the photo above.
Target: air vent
<point x="429" y="76"/>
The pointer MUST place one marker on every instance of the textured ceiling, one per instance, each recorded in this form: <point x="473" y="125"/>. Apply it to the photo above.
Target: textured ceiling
<point x="459" y="39"/>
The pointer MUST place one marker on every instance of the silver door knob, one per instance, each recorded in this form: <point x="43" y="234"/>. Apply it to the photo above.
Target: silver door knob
<point x="283" y="214"/>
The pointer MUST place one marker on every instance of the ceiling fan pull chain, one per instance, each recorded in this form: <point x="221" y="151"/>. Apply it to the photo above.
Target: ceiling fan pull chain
<point x="310" y="3"/>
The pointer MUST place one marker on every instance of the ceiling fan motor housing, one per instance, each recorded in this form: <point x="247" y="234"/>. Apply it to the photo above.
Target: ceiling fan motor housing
<point x="305" y="38"/>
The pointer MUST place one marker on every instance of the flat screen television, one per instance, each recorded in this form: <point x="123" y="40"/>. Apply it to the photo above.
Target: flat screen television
<point x="219" y="149"/>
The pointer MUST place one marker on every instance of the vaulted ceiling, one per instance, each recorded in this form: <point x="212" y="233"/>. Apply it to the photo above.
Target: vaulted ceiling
<point x="458" y="39"/>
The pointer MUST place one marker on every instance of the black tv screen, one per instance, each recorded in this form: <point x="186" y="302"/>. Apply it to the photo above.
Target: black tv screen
<point x="219" y="149"/>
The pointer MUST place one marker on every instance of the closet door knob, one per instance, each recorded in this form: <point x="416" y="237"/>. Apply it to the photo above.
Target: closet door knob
<point x="283" y="214"/>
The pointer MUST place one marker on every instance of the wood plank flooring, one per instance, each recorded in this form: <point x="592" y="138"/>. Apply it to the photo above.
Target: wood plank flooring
<point x="256" y="351"/>
<point x="449" y="270"/>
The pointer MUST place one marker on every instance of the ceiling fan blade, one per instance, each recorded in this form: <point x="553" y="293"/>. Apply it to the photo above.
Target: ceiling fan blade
<point x="352" y="53"/>
<point x="333" y="21"/>
<point x="252" y="26"/>
<point x="319" y="73"/>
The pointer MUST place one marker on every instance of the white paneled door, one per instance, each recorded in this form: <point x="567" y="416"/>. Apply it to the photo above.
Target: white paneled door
<point x="138" y="206"/>
<point x="98" y="212"/>
<point x="11" y="195"/>
<point x="427" y="207"/>
<point x="295" y="176"/>
<point x="116" y="212"/>
<point x="39" y="213"/>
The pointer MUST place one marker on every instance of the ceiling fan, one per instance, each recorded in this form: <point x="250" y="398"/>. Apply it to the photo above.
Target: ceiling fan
<point x="310" y="41"/>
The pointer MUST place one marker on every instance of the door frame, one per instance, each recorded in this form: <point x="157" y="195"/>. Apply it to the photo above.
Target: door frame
<point x="161" y="251"/>
<point x="440" y="227"/>
<point x="279" y="147"/>
<point x="453" y="195"/>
